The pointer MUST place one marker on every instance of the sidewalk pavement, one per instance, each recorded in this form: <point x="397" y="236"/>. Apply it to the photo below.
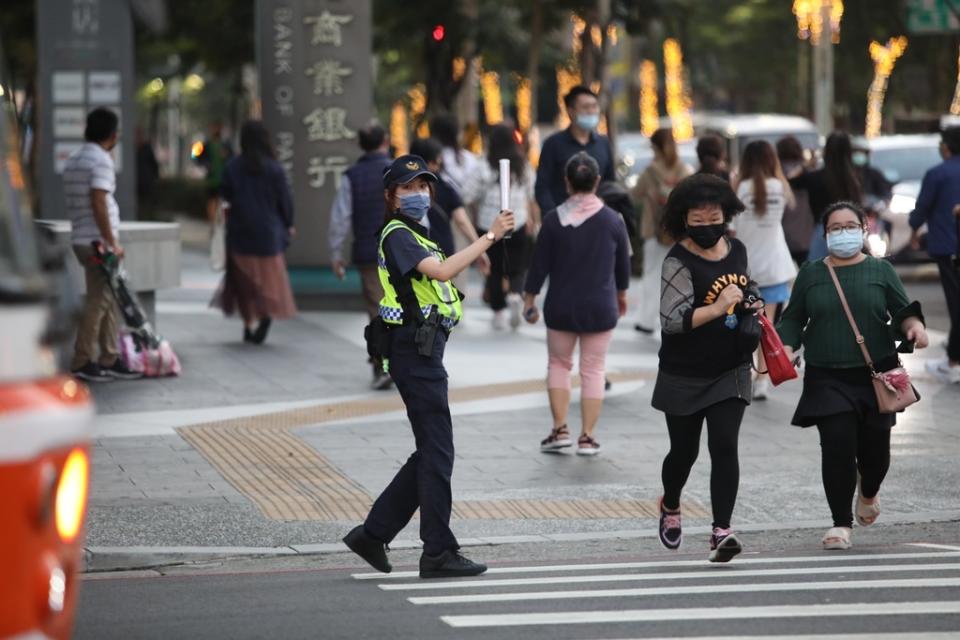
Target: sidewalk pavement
<point x="282" y="447"/>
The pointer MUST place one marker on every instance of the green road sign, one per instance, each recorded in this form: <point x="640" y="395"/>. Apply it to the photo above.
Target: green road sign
<point x="933" y="16"/>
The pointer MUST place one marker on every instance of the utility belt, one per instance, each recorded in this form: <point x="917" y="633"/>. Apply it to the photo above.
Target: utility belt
<point x="377" y="334"/>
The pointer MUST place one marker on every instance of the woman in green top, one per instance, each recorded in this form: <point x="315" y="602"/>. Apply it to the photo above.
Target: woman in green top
<point x="838" y="396"/>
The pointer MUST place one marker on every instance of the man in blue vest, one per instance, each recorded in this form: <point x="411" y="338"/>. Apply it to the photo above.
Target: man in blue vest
<point x="359" y="207"/>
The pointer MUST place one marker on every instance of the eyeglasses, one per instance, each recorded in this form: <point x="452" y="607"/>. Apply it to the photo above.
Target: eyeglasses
<point x="834" y="230"/>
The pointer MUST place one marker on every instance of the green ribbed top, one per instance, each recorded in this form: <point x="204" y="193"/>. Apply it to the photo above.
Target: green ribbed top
<point x="816" y="319"/>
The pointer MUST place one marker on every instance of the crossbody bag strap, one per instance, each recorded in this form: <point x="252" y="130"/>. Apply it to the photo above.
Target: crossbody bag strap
<point x="846" y="310"/>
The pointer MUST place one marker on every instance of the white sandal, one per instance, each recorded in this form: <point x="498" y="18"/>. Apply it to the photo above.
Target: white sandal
<point x="866" y="513"/>
<point x="837" y="539"/>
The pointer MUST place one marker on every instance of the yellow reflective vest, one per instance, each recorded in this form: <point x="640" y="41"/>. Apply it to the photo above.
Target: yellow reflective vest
<point x="430" y="293"/>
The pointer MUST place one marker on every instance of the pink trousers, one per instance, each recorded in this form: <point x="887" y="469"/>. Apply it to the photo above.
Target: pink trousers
<point x="593" y="355"/>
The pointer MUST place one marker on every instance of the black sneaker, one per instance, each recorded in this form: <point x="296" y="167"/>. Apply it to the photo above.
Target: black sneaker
<point x="449" y="564"/>
<point x="368" y="548"/>
<point x="91" y="372"/>
<point x="120" y="371"/>
<point x="671" y="533"/>
<point x="723" y="545"/>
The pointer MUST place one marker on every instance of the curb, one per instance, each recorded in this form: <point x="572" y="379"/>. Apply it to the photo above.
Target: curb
<point x="99" y="560"/>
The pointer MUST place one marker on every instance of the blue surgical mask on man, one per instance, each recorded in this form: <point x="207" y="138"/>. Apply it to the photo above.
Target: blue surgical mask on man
<point x="588" y="121"/>
<point x="845" y="243"/>
<point x="415" y="205"/>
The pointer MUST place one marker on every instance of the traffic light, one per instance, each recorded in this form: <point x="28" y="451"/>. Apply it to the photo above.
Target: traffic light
<point x="439" y="32"/>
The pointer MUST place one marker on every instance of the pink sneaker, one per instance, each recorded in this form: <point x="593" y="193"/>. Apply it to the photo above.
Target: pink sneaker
<point x="671" y="533"/>
<point x="723" y="545"/>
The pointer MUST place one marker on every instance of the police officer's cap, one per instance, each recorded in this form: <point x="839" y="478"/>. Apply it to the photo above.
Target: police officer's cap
<point x="406" y="168"/>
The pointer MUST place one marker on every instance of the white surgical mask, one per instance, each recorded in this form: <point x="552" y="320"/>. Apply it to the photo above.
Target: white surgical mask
<point x="588" y="121"/>
<point x="845" y="243"/>
<point x="415" y="205"/>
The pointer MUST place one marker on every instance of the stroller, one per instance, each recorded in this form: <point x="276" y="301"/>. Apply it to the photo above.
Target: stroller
<point x="141" y="348"/>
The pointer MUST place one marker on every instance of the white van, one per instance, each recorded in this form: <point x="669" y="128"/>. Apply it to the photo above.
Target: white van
<point x="740" y="130"/>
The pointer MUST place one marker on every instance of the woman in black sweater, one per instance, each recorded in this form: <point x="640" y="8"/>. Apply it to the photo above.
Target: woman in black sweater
<point x="704" y="372"/>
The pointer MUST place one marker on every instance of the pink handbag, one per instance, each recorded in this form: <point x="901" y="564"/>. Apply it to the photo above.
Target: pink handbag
<point x="894" y="390"/>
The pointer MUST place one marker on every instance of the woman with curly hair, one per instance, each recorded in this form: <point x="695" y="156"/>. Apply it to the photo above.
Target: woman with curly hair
<point x="704" y="373"/>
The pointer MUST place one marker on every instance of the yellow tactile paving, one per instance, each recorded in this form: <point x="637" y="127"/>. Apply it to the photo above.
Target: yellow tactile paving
<point x="289" y="480"/>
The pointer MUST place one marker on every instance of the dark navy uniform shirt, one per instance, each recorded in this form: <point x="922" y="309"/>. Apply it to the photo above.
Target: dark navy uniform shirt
<point x="402" y="252"/>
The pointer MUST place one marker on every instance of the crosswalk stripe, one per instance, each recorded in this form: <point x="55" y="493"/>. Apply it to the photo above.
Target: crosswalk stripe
<point x="844" y="557"/>
<point x="923" y="635"/>
<point x="928" y="545"/>
<point x="709" y="573"/>
<point x="919" y="583"/>
<point x="721" y="613"/>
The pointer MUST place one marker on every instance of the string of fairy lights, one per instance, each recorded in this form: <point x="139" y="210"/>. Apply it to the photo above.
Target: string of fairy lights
<point x="679" y="102"/>
<point x="884" y="58"/>
<point x="810" y="19"/>
<point x="649" y="110"/>
<point x="955" y="105"/>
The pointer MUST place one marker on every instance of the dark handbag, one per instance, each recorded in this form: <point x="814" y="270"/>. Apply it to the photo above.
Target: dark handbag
<point x="894" y="390"/>
<point x="748" y="322"/>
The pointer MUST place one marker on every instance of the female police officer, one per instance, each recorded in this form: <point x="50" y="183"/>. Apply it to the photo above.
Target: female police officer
<point x="419" y="307"/>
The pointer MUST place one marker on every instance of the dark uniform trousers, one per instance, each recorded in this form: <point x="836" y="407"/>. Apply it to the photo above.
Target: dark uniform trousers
<point x="424" y="480"/>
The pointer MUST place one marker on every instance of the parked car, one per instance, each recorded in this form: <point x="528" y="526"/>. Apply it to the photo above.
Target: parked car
<point x="44" y="425"/>
<point x="903" y="160"/>
<point x="634" y="153"/>
<point x="741" y="129"/>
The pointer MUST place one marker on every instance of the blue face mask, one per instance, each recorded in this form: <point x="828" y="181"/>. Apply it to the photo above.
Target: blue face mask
<point x="846" y="243"/>
<point x="415" y="205"/>
<point x="588" y="121"/>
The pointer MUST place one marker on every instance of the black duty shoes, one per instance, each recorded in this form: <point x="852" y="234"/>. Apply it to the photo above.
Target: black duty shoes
<point x="369" y="548"/>
<point x="449" y="564"/>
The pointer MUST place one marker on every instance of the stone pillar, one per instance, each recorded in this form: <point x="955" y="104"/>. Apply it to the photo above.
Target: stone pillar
<point x="314" y="59"/>
<point x="84" y="60"/>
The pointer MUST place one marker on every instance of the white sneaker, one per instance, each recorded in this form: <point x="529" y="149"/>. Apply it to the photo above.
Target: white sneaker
<point x="499" y="322"/>
<point x="761" y="387"/>
<point x="944" y="371"/>
<point x="515" y="304"/>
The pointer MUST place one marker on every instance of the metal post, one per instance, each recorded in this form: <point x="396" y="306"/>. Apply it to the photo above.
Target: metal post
<point x="823" y="76"/>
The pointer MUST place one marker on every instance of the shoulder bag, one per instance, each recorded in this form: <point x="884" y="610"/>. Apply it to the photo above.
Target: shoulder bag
<point x="894" y="390"/>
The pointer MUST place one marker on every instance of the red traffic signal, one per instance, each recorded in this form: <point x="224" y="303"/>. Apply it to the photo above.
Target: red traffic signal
<point x="439" y="32"/>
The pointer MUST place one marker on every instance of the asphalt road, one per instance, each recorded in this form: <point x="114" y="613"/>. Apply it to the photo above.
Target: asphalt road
<point x="898" y="582"/>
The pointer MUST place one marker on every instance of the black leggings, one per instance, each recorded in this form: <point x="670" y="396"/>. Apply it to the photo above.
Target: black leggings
<point x="723" y="431"/>
<point x="847" y="446"/>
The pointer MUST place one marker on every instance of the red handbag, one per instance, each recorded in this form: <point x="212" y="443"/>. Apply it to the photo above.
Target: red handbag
<point x="779" y="365"/>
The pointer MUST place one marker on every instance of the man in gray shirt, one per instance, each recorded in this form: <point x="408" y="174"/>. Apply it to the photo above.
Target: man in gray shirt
<point x="89" y="181"/>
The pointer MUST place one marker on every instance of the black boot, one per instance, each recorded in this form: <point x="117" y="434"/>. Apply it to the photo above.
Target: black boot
<point x="261" y="333"/>
<point x="368" y="548"/>
<point x="449" y="564"/>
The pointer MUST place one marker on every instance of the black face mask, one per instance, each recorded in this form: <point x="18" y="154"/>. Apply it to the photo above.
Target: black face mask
<point x="707" y="235"/>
